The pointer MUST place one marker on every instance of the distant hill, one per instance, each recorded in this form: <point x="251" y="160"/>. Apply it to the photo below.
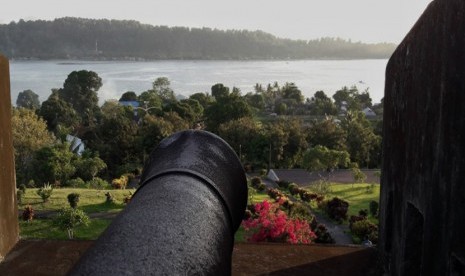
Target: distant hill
<point x="78" y="38"/>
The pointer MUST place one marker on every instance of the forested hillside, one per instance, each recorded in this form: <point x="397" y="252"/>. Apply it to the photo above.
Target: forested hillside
<point x="78" y="38"/>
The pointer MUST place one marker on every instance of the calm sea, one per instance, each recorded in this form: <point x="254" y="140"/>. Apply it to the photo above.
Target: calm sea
<point x="188" y="77"/>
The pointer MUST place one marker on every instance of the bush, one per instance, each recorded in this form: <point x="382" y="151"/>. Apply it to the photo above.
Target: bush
<point x="19" y="196"/>
<point x="45" y="192"/>
<point x="76" y="183"/>
<point x="374" y="208"/>
<point x="120" y="183"/>
<point x="109" y="198"/>
<point x="255" y="181"/>
<point x="337" y="209"/>
<point x="127" y="198"/>
<point x="322" y="234"/>
<point x="73" y="200"/>
<point x="274" y="193"/>
<point x="23" y="188"/>
<point x="300" y="211"/>
<point x="28" y="213"/>
<point x="283" y="184"/>
<point x="363" y="213"/>
<point x="68" y="219"/>
<point x="263" y="172"/>
<point x="261" y="187"/>
<point x="272" y="224"/>
<point x="97" y="183"/>
<point x="365" y="229"/>
<point x="293" y="188"/>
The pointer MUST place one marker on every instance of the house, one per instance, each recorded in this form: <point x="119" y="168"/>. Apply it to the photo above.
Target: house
<point x="368" y="112"/>
<point x="76" y="144"/>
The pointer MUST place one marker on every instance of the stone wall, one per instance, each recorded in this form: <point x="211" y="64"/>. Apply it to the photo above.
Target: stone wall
<point x="422" y="218"/>
<point x="8" y="208"/>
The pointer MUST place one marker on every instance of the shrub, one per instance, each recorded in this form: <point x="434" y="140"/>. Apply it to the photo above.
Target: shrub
<point x="365" y="229"/>
<point x="76" y="183"/>
<point x="109" y="198"/>
<point x="374" y="208"/>
<point x="322" y="234"/>
<point x="283" y="184"/>
<point x="23" y="188"/>
<point x="275" y="193"/>
<point x="97" y="183"/>
<point x="363" y="213"/>
<point x="354" y="219"/>
<point x="28" y="213"/>
<point x="293" y="188"/>
<point x="19" y="196"/>
<point x="73" y="200"/>
<point x="120" y="183"/>
<point x="127" y="198"/>
<point x="272" y="224"/>
<point x="300" y="211"/>
<point x="31" y="184"/>
<point x="337" y="209"/>
<point x="263" y="172"/>
<point x="69" y="218"/>
<point x="45" y="192"/>
<point x="261" y="187"/>
<point x="255" y="181"/>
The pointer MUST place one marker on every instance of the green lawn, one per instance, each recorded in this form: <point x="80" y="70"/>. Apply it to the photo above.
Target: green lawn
<point x="44" y="229"/>
<point x="90" y="200"/>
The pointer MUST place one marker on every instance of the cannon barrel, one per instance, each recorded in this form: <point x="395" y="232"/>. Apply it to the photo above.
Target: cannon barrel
<point x="183" y="217"/>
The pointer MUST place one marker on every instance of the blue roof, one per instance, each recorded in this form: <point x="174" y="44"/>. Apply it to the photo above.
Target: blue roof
<point x="129" y="103"/>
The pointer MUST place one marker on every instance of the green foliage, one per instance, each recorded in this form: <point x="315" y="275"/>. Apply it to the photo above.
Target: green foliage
<point x="97" y="183"/>
<point x="120" y="183"/>
<point x="80" y="90"/>
<point x="365" y="229"/>
<point x="20" y="196"/>
<point x="54" y="164"/>
<point x="58" y="114"/>
<point x="89" y="165"/>
<point x="327" y="133"/>
<point x="321" y="158"/>
<point x="28" y="99"/>
<point x="359" y="176"/>
<point x="73" y="200"/>
<point x="69" y="218"/>
<point x="29" y="134"/>
<point x="337" y="208"/>
<point x="128" y="96"/>
<point x="45" y="192"/>
<point x="76" y="183"/>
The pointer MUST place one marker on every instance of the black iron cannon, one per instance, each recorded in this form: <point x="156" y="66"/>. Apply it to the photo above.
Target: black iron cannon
<point x="183" y="217"/>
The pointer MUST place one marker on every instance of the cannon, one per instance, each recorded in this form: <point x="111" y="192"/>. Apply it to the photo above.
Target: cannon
<point x="182" y="219"/>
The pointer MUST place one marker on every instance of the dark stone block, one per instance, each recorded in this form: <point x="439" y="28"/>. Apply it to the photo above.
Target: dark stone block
<point x="422" y="190"/>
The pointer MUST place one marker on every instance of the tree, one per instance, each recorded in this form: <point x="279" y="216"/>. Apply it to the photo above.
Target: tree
<point x="203" y="98"/>
<point x="28" y="99"/>
<point x="128" y="96"/>
<point x="89" y="165"/>
<point x="247" y="137"/>
<point x="161" y="86"/>
<point x="58" y="114"/>
<point x="80" y="91"/>
<point x="320" y="158"/>
<point x="290" y="91"/>
<point x="227" y="107"/>
<point x="53" y="164"/>
<point x="29" y="135"/>
<point x="322" y="105"/>
<point x="69" y="218"/>
<point x="327" y="133"/>
<point x="362" y="144"/>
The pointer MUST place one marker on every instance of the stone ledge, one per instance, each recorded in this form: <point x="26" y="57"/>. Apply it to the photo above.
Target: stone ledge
<point x="48" y="257"/>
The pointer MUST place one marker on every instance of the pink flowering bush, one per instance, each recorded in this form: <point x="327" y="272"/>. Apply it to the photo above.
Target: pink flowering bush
<point x="270" y="223"/>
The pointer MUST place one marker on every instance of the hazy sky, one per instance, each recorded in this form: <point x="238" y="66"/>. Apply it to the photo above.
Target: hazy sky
<point x="359" y="20"/>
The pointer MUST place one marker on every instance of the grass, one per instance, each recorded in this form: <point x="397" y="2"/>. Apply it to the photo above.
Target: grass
<point x="358" y="196"/>
<point x="44" y="229"/>
<point x="90" y="200"/>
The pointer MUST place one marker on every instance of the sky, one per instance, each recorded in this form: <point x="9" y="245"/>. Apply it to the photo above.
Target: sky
<point x="368" y="21"/>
